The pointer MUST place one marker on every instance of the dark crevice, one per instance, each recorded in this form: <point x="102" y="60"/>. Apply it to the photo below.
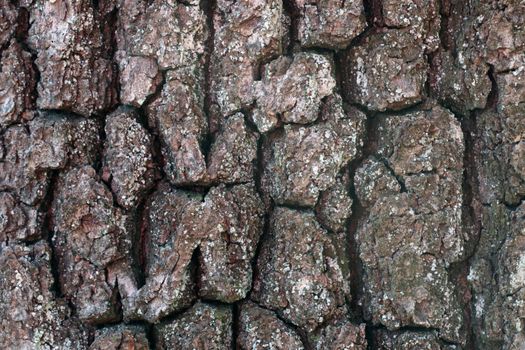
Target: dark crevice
<point x="372" y="329"/>
<point x="317" y="208"/>
<point x="155" y="95"/>
<point x="472" y="206"/>
<point x="235" y="324"/>
<point x="293" y="12"/>
<point x="116" y="303"/>
<point x="99" y="160"/>
<point x="262" y="142"/>
<point x="399" y="178"/>
<point x="296" y="207"/>
<point x="185" y="2"/>
<point x="369" y="335"/>
<point x="303" y="335"/>
<point x="260" y="65"/>
<point x="431" y="82"/>
<point x="359" y="213"/>
<point x="21" y="36"/>
<point x="195" y="271"/>
<point x="62" y="113"/>
<point x="445" y="38"/>
<point x="512" y="207"/>
<point x="264" y="155"/>
<point x="209" y="7"/>
<point x="150" y="336"/>
<point x="46" y="207"/>
<point x="339" y="74"/>
<point x="373" y="13"/>
<point x="109" y="33"/>
<point x="265" y="235"/>
<point x="471" y="218"/>
<point x="20" y="33"/>
<point x="156" y="144"/>
<point x="414" y="108"/>
<point x="247" y="112"/>
<point x="492" y="99"/>
<point x="140" y="239"/>
<point x="199" y="189"/>
<point x="138" y="246"/>
<point x="416" y="329"/>
<point x="22" y="28"/>
<point x="207" y="144"/>
<point x="108" y="27"/>
<point x="356" y="265"/>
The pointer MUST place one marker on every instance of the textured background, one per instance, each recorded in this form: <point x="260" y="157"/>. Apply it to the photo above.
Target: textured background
<point x="262" y="174"/>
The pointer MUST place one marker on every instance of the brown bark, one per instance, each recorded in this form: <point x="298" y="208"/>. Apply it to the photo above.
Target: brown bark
<point x="262" y="174"/>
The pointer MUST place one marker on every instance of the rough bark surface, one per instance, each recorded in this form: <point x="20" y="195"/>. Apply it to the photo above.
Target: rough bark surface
<point x="262" y="174"/>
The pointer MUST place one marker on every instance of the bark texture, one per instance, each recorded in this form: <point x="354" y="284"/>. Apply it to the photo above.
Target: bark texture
<point x="262" y="174"/>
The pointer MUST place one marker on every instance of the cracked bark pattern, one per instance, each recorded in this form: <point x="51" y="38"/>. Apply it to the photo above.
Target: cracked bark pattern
<point x="262" y="174"/>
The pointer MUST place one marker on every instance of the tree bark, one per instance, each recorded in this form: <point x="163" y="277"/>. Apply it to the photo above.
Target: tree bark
<point x="262" y="174"/>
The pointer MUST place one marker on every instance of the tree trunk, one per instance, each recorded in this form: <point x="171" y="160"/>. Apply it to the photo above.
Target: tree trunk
<point x="262" y="174"/>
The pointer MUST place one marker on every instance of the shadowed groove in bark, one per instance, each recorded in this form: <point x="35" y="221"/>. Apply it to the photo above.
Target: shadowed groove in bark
<point x="108" y="28"/>
<point x="156" y="94"/>
<point x="47" y="228"/>
<point x="472" y="210"/>
<point x="138" y="239"/>
<point x="358" y="214"/>
<point x="150" y="335"/>
<point x="23" y="25"/>
<point x="293" y="12"/>
<point x="472" y="205"/>
<point x="368" y="148"/>
<point x="158" y="157"/>
<point x="492" y="99"/>
<point x="373" y="329"/>
<point x="235" y="324"/>
<point x="398" y="178"/>
<point x="209" y="7"/>
<point x="195" y="270"/>
<point x="138" y="242"/>
<point x="471" y="200"/>
<point x="373" y="13"/>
